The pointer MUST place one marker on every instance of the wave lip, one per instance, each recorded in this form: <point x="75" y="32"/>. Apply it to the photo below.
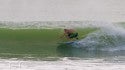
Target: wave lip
<point x="49" y="24"/>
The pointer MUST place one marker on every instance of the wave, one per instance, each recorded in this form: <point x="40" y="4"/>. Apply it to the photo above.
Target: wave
<point x="110" y="37"/>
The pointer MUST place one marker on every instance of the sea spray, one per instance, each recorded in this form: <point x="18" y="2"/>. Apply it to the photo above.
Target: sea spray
<point x="109" y="37"/>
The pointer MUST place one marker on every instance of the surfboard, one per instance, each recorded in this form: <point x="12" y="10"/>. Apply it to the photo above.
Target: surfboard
<point x="70" y="42"/>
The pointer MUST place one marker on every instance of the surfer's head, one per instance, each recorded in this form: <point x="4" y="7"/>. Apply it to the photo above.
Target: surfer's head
<point x="68" y="30"/>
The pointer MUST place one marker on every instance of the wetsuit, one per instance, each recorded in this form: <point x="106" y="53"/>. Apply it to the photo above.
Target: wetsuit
<point x="73" y="35"/>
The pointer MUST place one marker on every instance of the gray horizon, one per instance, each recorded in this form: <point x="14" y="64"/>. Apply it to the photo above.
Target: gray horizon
<point x="62" y="10"/>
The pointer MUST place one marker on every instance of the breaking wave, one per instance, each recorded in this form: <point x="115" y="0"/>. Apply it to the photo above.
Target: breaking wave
<point x="109" y="37"/>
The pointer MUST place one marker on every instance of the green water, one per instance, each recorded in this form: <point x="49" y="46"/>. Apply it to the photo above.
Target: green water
<point x="34" y="42"/>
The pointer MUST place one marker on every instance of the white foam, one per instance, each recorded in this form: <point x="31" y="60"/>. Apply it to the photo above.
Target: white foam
<point x="110" y="37"/>
<point x="91" y="64"/>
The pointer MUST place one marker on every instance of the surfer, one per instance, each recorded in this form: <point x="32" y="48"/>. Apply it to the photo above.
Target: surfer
<point x="70" y="34"/>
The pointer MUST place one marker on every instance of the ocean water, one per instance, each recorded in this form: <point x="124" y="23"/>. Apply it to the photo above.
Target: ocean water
<point x="35" y="46"/>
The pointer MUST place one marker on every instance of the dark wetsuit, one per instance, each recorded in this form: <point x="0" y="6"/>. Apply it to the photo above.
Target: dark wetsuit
<point x="73" y="35"/>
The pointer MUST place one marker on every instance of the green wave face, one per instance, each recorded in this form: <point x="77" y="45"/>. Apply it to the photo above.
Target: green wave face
<point x="31" y="41"/>
<point x="34" y="42"/>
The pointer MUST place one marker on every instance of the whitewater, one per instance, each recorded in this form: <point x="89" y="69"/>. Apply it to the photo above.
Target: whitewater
<point x="63" y="64"/>
<point x="102" y="49"/>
